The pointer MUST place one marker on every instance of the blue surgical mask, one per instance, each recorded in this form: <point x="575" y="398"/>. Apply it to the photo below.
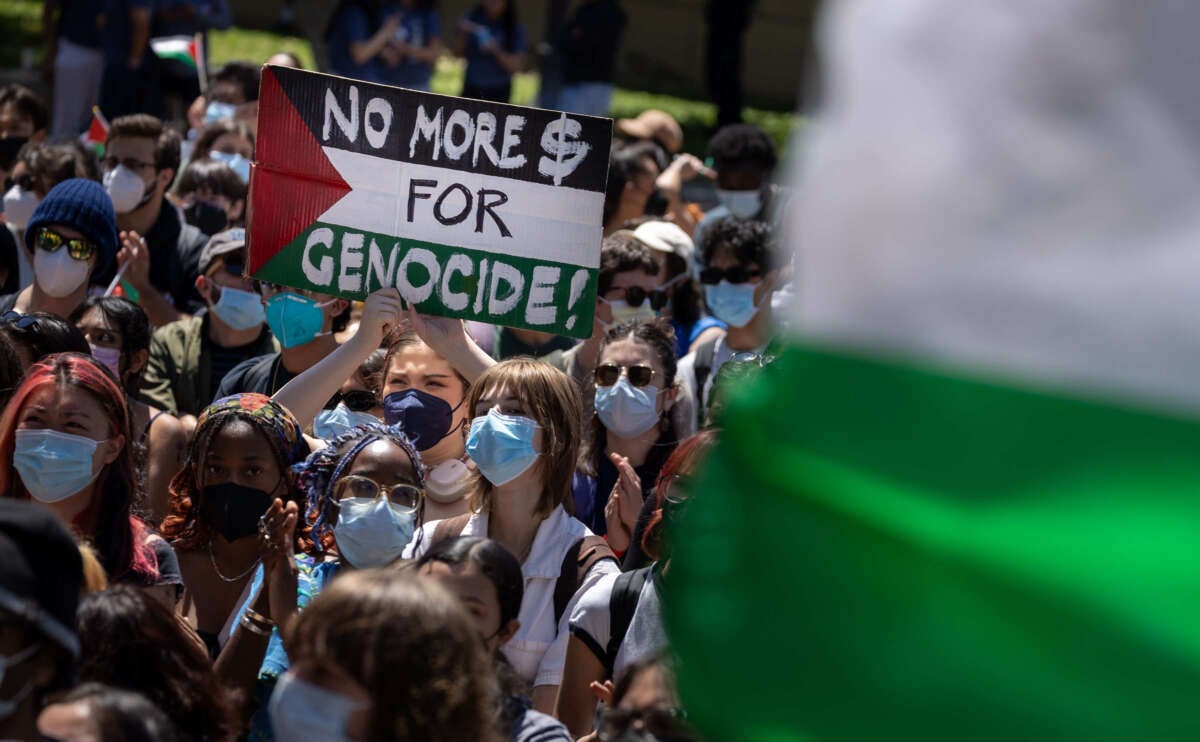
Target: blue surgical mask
<point x="329" y="424"/>
<point x="216" y="111"/>
<point x="424" y="418"/>
<point x="622" y="312"/>
<point x="502" y="445"/>
<point x="742" y="204"/>
<point x="239" y="164"/>
<point x="301" y="711"/>
<point x="241" y="310"/>
<point x="295" y="319"/>
<point x="372" y="532"/>
<point x="53" y="465"/>
<point x="626" y="410"/>
<point x="732" y="303"/>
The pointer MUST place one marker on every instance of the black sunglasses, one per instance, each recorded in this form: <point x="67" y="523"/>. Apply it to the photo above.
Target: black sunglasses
<point x="49" y="240"/>
<point x="736" y="274"/>
<point x="608" y="373"/>
<point x="18" y="320"/>
<point x="635" y="295"/>
<point x="358" y="400"/>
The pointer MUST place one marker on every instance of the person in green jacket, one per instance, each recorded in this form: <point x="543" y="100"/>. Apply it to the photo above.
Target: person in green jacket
<point x="189" y="358"/>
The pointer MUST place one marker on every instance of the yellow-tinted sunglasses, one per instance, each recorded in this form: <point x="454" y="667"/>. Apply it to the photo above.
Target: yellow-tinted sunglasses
<point x="49" y="240"/>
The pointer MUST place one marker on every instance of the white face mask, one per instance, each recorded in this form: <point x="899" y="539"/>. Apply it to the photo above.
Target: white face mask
<point x="742" y="204"/>
<point x="448" y="481"/>
<point x="125" y="188"/>
<point x="57" y="273"/>
<point x="19" y="205"/>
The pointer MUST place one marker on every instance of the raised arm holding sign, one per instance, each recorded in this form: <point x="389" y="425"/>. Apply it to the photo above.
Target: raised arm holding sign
<point x="482" y="211"/>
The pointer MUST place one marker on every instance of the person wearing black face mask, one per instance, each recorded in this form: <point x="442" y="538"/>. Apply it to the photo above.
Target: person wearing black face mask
<point x="232" y="487"/>
<point x="213" y="196"/>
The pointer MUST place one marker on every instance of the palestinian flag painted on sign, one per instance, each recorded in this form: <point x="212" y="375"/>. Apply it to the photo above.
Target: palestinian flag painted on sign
<point x="965" y="502"/>
<point x="477" y="210"/>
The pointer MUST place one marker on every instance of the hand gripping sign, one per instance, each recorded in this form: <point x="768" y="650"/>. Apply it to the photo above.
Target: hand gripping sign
<point x="471" y="209"/>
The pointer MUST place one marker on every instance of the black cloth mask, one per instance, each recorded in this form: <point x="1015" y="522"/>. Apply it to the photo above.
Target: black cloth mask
<point x="233" y="509"/>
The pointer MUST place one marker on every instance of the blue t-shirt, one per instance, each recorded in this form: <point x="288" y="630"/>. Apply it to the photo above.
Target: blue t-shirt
<point x="417" y="28"/>
<point x="78" y="22"/>
<point x="118" y="28"/>
<point x="483" y="69"/>
<point x="351" y="25"/>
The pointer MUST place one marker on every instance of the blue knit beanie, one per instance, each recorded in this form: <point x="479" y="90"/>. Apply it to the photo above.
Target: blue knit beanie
<point x="82" y="205"/>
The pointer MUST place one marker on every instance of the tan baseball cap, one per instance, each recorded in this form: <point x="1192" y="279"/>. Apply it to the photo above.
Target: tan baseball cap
<point x="653" y="124"/>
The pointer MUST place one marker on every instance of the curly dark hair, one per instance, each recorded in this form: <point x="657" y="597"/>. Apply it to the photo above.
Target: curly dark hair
<point x="621" y="252"/>
<point x="129" y="640"/>
<point x="752" y="242"/>
<point x="659" y="336"/>
<point x="322" y="469"/>
<point x="740" y="145"/>
<point x="410" y="643"/>
<point x="245" y="75"/>
<point x="133" y="323"/>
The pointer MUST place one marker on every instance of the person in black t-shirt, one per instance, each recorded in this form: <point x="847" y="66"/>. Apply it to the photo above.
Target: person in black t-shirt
<point x="589" y="45"/>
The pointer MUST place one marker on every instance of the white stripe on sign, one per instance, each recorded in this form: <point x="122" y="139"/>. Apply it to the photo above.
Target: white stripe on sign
<point x="452" y="207"/>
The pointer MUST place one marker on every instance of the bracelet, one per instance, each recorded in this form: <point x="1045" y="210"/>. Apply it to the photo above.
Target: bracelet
<point x="262" y="620"/>
<point x="254" y="628"/>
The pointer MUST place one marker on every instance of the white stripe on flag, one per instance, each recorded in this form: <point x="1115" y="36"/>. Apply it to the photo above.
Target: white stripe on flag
<point x="547" y="222"/>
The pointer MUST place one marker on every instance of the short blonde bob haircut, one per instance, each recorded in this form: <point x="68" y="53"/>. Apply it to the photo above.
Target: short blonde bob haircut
<point x="552" y="400"/>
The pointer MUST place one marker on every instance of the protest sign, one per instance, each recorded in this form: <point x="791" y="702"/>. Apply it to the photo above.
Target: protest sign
<point x="471" y="209"/>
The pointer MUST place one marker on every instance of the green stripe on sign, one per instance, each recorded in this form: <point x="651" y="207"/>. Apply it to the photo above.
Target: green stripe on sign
<point x="884" y="552"/>
<point x="439" y="279"/>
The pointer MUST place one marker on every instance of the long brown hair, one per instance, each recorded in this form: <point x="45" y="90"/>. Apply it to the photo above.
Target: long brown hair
<point x="108" y="520"/>
<point x="410" y="644"/>
<point x="553" y="402"/>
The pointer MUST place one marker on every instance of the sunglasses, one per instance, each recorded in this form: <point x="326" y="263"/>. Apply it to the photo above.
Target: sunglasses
<point x="18" y="320"/>
<point x="404" y="495"/>
<point x="608" y="373"/>
<point x="358" y="400"/>
<point x="79" y="249"/>
<point x="635" y="295"/>
<point x="736" y="274"/>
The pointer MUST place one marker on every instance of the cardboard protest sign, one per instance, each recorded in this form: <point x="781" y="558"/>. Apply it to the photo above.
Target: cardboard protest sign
<point x="471" y="209"/>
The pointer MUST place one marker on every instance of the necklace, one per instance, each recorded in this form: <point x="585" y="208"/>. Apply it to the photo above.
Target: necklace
<point x="213" y="558"/>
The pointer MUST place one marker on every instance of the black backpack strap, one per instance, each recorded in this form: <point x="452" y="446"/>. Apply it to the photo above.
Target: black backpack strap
<point x="703" y="368"/>
<point x="577" y="562"/>
<point x="621" y="605"/>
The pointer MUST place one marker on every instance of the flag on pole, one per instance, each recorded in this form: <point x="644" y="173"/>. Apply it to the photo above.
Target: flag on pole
<point x="964" y="502"/>
<point x="186" y="50"/>
<point x="97" y="132"/>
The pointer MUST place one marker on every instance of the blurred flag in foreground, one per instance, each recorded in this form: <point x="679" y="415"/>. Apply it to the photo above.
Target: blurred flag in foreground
<point x="965" y="502"/>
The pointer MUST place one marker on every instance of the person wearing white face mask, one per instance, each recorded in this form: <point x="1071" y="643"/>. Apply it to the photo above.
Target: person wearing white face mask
<point x="738" y="282"/>
<point x="632" y="432"/>
<point x="159" y="252"/>
<point x="71" y="236"/>
<point x="39" y="591"/>
<point x="744" y="157"/>
<point x="190" y="358"/>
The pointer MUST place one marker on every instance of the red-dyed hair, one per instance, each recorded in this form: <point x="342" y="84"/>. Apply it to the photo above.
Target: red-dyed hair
<point x="118" y="535"/>
<point x="683" y="460"/>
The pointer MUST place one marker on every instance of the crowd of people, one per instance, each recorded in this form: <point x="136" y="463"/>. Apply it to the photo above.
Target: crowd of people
<point x="232" y="509"/>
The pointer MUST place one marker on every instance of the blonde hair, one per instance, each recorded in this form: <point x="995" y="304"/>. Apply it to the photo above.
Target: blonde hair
<point x="552" y="400"/>
<point x="94" y="578"/>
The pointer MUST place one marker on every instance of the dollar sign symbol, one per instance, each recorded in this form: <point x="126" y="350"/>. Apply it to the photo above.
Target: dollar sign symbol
<point x="565" y="153"/>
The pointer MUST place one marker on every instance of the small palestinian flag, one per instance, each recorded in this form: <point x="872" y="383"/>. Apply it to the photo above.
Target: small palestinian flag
<point x="186" y="50"/>
<point x="97" y="132"/>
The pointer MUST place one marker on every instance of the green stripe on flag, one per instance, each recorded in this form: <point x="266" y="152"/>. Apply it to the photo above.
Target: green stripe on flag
<point x="536" y="294"/>
<point x="885" y="552"/>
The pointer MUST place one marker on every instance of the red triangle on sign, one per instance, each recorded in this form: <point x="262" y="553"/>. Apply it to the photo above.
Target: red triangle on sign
<point x="292" y="182"/>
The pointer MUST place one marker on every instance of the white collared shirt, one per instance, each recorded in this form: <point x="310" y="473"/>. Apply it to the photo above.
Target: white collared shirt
<point x="539" y="648"/>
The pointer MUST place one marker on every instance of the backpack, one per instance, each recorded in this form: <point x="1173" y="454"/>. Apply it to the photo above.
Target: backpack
<point x="703" y="368"/>
<point x="577" y="562"/>
<point x="621" y="605"/>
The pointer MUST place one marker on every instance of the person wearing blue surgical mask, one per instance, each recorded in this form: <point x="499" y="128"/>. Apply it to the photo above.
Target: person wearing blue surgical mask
<point x="524" y="439"/>
<point x="631" y="433"/>
<point x="738" y="281"/>
<point x="744" y="157"/>
<point x="189" y="359"/>
<point x="364" y="500"/>
<point x="303" y="322"/>
<point x="228" y="141"/>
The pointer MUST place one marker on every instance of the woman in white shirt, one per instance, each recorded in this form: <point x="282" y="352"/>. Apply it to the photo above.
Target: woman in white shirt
<point x="524" y="440"/>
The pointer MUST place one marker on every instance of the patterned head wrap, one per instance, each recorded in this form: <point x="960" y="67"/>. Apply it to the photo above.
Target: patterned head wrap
<point x="275" y="422"/>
